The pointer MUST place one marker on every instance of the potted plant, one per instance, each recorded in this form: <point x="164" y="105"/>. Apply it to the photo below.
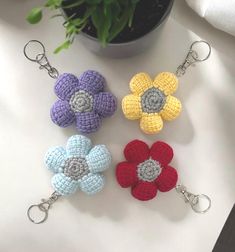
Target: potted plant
<point x="114" y="28"/>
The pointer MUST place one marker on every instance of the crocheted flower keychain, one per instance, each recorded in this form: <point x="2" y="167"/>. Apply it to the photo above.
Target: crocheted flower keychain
<point x="148" y="170"/>
<point x="78" y="166"/>
<point x="81" y="100"/>
<point x="153" y="101"/>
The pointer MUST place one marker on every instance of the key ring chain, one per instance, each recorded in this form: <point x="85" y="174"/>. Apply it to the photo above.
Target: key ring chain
<point x="193" y="57"/>
<point x="194" y="200"/>
<point x="43" y="207"/>
<point x="41" y="58"/>
<point x="82" y="101"/>
<point x="152" y="101"/>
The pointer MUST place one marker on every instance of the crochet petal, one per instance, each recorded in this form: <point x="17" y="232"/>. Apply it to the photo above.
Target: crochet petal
<point x="63" y="184"/>
<point x="105" y="104"/>
<point x="136" y="151"/>
<point x="140" y="83"/>
<point x="131" y="107"/>
<point x="98" y="159"/>
<point x="166" y="82"/>
<point x="66" y="85"/>
<point x="78" y="146"/>
<point x="171" y="109"/>
<point x="161" y="152"/>
<point x="92" y="183"/>
<point x="61" y="114"/>
<point x="167" y="179"/>
<point x="126" y="174"/>
<point x="88" y="122"/>
<point x="151" y="123"/>
<point x="55" y="159"/>
<point x="92" y="82"/>
<point x="144" y="191"/>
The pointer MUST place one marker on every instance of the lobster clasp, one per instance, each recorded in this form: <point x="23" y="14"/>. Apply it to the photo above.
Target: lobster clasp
<point x="193" y="57"/>
<point x="39" y="57"/>
<point x="194" y="200"/>
<point x="42" y="209"/>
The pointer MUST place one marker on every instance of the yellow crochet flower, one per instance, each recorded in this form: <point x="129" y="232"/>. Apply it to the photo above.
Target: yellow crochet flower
<point x="152" y="101"/>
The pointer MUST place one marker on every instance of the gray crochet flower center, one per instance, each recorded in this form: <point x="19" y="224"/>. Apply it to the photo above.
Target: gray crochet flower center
<point x="81" y="101"/>
<point x="153" y="100"/>
<point x="149" y="170"/>
<point x="76" y="168"/>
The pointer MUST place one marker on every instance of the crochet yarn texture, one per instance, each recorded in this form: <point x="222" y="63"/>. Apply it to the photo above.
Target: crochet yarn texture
<point x="152" y="101"/>
<point x="78" y="166"/>
<point x="82" y="100"/>
<point x="147" y="170"/>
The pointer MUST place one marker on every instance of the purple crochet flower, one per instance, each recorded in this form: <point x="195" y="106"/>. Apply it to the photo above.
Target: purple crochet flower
<point x="83" y="101"/>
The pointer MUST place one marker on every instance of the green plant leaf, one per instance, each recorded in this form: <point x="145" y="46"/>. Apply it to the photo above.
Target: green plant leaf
<point x="53" y="4"/>
<point x="63" y="46"/>
<point x="123" y="2"/>
<point x="70" y="29"/>
<point x="132" y="11"/>
<point x="95" y="18"/>
<point x="35" y="15"/>
<point x="131" y="16"/>
<point x="67" y="19"/>
<point x="76" y="22"/>
<point x="88" y="12"/>
<point x="119" y="25"/>
<point x="109" y="1"/>
<point x="56" y="15"/>
<point x="115" y="9"/>
<point x="75" y="4"/>
<point x="134" y="1"/>
<point x="93" y="1"/>
<point x="102" y="20"/>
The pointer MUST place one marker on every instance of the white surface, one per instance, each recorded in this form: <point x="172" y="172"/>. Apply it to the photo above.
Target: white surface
<point x="216" y="13"/>
<point x="203" y="139"/>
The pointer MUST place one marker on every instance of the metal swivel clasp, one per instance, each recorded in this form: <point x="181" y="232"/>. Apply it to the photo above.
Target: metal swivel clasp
<point x="193" y="57"/>
<point x="195" y="200"/>
<point x="43" y="208"/>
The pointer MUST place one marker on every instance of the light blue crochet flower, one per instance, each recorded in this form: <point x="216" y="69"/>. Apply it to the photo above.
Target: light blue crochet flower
<point x="78" y="166"/>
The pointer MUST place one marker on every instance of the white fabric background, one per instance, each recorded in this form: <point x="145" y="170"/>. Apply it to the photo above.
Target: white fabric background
<point x="220" y="14"/>
<point x="203" y="139"/>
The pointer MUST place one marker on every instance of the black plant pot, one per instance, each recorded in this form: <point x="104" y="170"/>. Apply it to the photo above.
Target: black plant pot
<point x="127" y="45"/>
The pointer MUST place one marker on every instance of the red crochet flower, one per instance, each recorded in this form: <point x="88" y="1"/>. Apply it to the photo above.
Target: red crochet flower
<point x="147" y="170"/>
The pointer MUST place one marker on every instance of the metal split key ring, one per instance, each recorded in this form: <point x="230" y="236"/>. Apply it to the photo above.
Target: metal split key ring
<point x="40" y="58"/>
<point x="194" y="199"/>
<point x="43" y="208"/>
<point x="193" y="57"/>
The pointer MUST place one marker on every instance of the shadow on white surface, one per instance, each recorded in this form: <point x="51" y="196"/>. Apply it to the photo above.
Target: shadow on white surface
<point x="14" y="12"/>
<point x="226" y="110"/>
<point x="116" y="203"/>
